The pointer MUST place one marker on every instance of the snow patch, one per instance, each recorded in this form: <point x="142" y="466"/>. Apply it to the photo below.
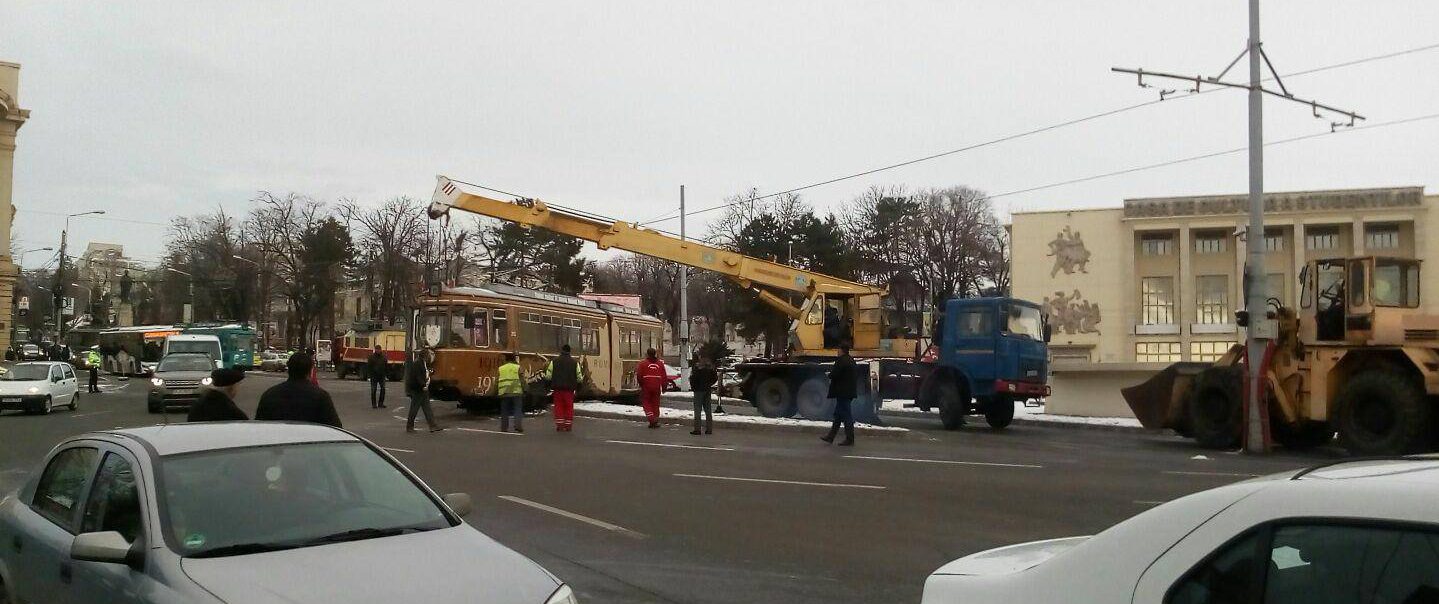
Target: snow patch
<point x="1035" y="414"/>
<point x="668" y="413"/>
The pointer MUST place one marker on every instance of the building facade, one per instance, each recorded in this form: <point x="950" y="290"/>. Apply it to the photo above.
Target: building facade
<point x="1158" y="280"/>
<point x="11" y="118"/>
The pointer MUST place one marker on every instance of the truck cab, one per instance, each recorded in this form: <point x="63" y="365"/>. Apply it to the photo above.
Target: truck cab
<point x="992" y="353"/>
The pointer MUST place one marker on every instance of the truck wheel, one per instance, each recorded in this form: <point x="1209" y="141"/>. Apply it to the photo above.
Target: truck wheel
<point x="1215" y="408"/>
<point x="999" y="412"/>
<point x="340" y="371"/>
<point x="1305" y="435"/>
<point x="1382" y="412"/>
<point x="953" y="404"/>
<point x="773" y="398"/>
<point x="812" y="399"/>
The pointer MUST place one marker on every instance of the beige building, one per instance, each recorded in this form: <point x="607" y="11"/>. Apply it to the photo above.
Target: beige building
<point x="11" y="118"/>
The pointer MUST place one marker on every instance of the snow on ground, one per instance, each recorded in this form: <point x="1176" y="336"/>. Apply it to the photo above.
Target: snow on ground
<point x="1024" y="412"/>
<point x="731" y="418"/>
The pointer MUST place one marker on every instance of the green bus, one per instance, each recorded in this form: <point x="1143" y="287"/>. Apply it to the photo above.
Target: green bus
<point x="237" y="342"/>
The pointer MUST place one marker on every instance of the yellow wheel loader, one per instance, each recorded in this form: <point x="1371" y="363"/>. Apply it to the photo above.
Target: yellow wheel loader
<point x="1358" y="358"/>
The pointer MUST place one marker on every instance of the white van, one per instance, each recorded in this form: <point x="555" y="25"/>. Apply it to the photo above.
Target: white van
<point x="195" y="343"/>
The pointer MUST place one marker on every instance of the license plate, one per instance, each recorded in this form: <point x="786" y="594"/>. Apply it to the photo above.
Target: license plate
<point x="10" y="400"/>
<point x="182" y="391"/>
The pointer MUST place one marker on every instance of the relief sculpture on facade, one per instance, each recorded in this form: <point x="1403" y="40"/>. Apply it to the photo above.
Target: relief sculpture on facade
<point x="1068" y="252"/>
<point x="1071" y="313"/>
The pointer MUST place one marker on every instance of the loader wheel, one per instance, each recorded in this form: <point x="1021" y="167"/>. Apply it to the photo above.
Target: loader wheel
<point x="1306" y="435"/>
<point x="1216" y="408"/>
<point x="773" y="398"/>
<point x="812" y="399"/>
<point x="1382" y="412"/>
<point x="340" y="371"/>
<point x="953" y="404"/>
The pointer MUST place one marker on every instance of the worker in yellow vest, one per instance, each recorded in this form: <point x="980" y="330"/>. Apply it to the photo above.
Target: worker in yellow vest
<point x="511" y="388"/>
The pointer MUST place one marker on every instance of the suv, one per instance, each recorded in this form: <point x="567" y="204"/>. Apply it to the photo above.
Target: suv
<point x="177" y="380"/>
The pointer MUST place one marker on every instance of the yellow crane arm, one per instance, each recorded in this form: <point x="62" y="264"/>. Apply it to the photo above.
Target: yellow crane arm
<point x="746" y="271"/>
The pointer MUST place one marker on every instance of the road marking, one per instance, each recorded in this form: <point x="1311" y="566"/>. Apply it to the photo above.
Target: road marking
<point x="91" y="413"/>
<point x="1180" y="473"/>
<point x="491" y="431"/>
<point x="397" y="449"/>
<point x="572" y="516"/>
<point x="399" y="409"/>
<point x="644" y="444"/>
<point x="767" y="480"/>
<point x="946" y="461"/>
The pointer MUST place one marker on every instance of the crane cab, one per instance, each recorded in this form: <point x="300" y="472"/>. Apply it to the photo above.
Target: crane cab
<point x="1370" y="300"/>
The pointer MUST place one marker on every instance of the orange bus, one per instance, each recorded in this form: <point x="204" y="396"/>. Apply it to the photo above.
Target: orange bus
<point x="472" y="328"/>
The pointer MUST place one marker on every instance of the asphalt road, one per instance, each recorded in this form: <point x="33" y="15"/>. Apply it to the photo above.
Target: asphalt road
<point x="628" y="514"/>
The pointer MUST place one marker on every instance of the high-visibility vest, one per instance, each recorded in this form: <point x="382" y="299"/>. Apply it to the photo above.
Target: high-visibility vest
<point x="508" y="381"/>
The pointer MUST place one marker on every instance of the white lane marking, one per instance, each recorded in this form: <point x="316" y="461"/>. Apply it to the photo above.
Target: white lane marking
<point x="644" y="444"/>
<point x="401" y="418"/>
<point x="399" y="409"/>
<point x="571" y="515"/>
<point x="491" y="431"/>
<point x="92" y="413"/>
<point x="397" y="449"/>
<point x="771" y="481"/>
<point x="946" y="461"/>
<point x="1235" y="474"/>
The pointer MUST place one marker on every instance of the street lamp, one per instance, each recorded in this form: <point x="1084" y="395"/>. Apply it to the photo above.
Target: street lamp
<point x="38" y="249"/>
<point x="60" y="271"/>
<point x="192" y="291"/>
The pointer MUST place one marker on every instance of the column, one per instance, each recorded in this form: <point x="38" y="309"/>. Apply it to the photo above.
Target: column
<point x="11" y="118"/>
<point x="1299" y="262"/>
<point x="1184" y="290"/>
<point x="1357" y="248"/>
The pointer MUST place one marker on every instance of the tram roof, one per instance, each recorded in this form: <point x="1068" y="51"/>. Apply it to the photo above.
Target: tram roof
<point x="501" y="290"/>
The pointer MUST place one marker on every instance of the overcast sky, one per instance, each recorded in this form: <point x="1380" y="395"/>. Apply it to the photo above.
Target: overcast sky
<point x="149" y="109"/>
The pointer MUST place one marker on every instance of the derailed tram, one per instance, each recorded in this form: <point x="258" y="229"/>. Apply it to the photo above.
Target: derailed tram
<point x="473" y="328"/>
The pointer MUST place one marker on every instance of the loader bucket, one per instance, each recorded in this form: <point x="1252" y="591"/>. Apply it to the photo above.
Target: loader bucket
<point x="1158" y="402"/>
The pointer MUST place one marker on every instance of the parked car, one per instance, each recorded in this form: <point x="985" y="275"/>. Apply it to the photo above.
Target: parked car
<point x="672" y="378"/>
<point x="247" y="512"/>
<point x="38" y="387"/>
<point x="31" y="352"/>
<point x="177" y="379"/>
<point x="1349" y="531"/>
<point x="273" y="361"/>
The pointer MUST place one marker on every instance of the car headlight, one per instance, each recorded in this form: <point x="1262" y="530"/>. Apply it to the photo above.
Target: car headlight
<point x="157" y="381"/>
<point x="33" y="390"/>
<point x="563" y="595"/>
<point x="205" y="381"/>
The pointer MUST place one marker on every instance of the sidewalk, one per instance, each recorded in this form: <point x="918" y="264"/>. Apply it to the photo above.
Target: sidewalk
<point x="1025" y="415"/>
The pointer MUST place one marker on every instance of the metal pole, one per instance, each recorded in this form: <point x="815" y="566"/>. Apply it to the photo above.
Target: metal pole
<point x="684" y="303"/>
<point x="59" y="291"/>
<point x="1254" y="273"/>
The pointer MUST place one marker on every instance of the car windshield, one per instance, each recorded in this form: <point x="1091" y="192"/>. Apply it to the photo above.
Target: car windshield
<point x="185" y="362"/>
<point x="1025" y="321"/>
<point x="27" y="373"/>
<point x="201" y="346"/>
<point x="265" y="498"/>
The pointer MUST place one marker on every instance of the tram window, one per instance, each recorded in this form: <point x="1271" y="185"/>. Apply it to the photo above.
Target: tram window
<point x="457" y="335"/>
<point x="529" y="332"/>
<point x="480" y="327"/>
<point x="431" y="327"/>
<point x="502" y="329"/>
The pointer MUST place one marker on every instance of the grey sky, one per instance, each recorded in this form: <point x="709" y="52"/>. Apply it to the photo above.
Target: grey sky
<point x="152" y="109"/>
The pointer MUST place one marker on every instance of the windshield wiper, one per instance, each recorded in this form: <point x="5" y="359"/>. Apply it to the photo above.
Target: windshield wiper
<point x="364" y="533"/>
<point x="240" y="549"/>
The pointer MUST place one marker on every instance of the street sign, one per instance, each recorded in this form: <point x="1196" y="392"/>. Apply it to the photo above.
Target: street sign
<point x="24" y="305"/>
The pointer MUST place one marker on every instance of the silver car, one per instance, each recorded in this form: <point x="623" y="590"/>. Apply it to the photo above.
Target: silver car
<point x="247" y="512"/>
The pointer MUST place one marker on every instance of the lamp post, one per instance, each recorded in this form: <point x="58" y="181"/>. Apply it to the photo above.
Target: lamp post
<point x="60" y="270"/>
<point x="190" y="307"/>
<point x="38" y="249"/>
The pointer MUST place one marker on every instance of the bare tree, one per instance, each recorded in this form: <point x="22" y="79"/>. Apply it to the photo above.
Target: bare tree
<point x="959" y="232"/>
<point x="388" y="239"/>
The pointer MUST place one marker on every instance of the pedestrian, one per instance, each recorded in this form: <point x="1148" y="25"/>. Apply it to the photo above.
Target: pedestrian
<point x="217" y="401"/>
<point x="297" y="399"/>
<point x="511" y="390"/>
<point x="314" y="372"/>
<point x="651" y="375"/>
<point x="94" y="385"/>
<point x="565" y="375"/>
<point x="842" y="388"/>
<point x="417" y="387"/>
<point x="702" y="379"/>
<point x="377" y="366"/>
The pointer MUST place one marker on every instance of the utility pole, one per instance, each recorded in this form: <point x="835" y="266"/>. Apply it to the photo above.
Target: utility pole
<point x="1260" y="330"/>
<point x="59" y="291"/>
<point x="684" y="302"/>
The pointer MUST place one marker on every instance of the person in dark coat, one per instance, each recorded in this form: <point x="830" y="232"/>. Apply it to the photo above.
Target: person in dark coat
<point x="417" y="387"/>
<point x="94" y="385"/>
<point x="296" y="399"/>
<point x="842" y="387"/>
<point x="377" y="367"/>
<point x="217" y="402"/>
<point x="702" y="381"/>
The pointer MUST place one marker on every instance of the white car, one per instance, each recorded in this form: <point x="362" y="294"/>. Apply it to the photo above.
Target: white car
<point x="39" y="387"/>
<point x="1349" y="532"/>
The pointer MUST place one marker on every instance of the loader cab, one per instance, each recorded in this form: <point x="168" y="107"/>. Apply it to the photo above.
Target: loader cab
<point x="1358" y="300"/>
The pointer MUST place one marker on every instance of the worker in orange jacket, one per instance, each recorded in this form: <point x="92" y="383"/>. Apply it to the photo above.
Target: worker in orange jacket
<point x="651" y="375"/>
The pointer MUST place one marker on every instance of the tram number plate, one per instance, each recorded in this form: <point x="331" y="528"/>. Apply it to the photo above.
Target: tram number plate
<point x="485" y="383"/>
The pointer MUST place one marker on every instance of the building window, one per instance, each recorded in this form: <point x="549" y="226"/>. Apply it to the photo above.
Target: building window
<point x="1321" y="238"/>
<point x="1381" y="237"/>
<point x="1208" y="352"/>
<point x="1156" y="352"/>
<point x="1210" y="243"/>
<point x="1273" y="240"/>
<point x="1156" y="245"/>
<point x="1274" y="286"/>
<point x="1157" y="300"/>
<point x="1212" y="299"/>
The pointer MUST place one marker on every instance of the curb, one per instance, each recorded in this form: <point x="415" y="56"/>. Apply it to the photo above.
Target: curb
<point x="719" y="422"/>
<point x="1038" y="422"/>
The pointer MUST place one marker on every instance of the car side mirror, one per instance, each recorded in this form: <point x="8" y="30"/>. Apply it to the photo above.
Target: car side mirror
<point x="460" y="503"/>
<point x="107" y="546"/>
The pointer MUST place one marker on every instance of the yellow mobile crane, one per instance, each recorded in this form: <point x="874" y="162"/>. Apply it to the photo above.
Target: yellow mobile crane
<point x="853" y="311"/>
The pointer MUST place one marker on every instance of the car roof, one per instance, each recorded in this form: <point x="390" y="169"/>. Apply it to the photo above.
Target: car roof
<point x="194" y="336"/>
<point x="1414" y="470"/>
<point x="178" y="439"/>
<point x="46" y="363"/>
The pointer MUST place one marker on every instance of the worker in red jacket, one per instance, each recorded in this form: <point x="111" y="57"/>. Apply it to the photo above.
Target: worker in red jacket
<point x="651" y="375"/>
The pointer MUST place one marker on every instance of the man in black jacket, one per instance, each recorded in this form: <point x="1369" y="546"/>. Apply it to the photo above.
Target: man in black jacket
<point x="377" y="367"/>
<point x="296" y="399"/>
<point x="217" y="402"/>
<point x="565" y="375"/>
<point x="417" y="387"/>
<point x="702" y="380"/>
<point x="842" y="387"/>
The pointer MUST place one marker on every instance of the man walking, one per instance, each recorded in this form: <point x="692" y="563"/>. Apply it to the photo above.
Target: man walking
<point x="702" y="379"/>
<point x="651" y="375"/>
<point x="377" y="367"/>
<point x="217" y="402"/>
<point x="565" y="375"/>
<point x="842" y="388"/>
<point x="417" y="387"/>
<point x="296" y="399"/>
<point x="511" y="390"/>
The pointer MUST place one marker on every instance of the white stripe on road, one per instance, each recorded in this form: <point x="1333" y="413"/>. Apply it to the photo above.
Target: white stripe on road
<point x="91" y="413"/>
<point x="946" y="461"/>
<point x="491" y="431"/>
<point x="572" y="516"/>
<point x="644" y="444"/>
<point x="397" y="449"/>
<point x="767" y="480"/>
<point x="1179" y="473"/>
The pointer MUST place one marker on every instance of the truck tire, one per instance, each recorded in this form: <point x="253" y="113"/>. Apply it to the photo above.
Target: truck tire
<point x="999" y="412"/>
<point x="340" y="371"/>
<point x="1305" y="435"/>
<point x="1215" y="407"/>
<point x="953" y="404"/>
<point x="773" y="398"/>
<point x="1382" y="412"/>
<point x="812" y="399"/>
